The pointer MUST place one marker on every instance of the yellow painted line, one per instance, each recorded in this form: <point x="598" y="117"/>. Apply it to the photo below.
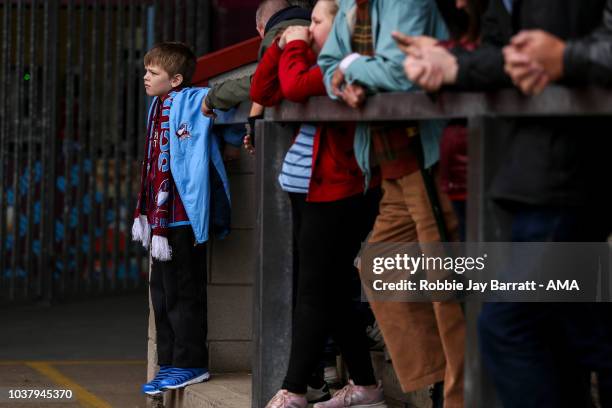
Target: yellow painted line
<point x="85" y="397"/>
<point x="73" y="362"/>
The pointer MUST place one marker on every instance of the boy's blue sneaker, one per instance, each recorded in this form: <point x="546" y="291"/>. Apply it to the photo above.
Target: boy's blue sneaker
<point x="182" y="377"/>
<point x="152" y="388"/>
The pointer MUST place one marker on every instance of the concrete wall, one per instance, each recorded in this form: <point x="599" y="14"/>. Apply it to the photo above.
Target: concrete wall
<point x="231" y="265"/>
<point x="230" y="277"/>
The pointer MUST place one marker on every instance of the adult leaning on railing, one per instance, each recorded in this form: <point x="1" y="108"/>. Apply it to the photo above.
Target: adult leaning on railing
<point x="485" y="221"/>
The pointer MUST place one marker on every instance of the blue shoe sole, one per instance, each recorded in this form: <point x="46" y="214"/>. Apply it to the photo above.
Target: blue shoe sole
<point x="201" y="378"/>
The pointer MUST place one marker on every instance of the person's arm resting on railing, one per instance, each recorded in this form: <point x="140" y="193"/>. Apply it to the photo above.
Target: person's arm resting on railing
<point x="433" y="66"/>
<point x="535" y="58"/>
<point x="227" y="95"/>
<point x="589" y="60"/>
<point x="383" y="71"/>
<point x="483" y="68"/>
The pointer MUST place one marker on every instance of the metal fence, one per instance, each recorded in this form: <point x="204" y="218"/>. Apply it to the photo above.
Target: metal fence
<point x="72" y="117"/>
<point x="273" y="276"/>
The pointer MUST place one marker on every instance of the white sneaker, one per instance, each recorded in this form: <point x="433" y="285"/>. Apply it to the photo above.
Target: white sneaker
<point x="314" y="395"/>
<point x="330" y="375"/>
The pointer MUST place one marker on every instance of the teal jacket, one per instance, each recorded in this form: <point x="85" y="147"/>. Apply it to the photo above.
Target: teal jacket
<point x="384" y="71"/>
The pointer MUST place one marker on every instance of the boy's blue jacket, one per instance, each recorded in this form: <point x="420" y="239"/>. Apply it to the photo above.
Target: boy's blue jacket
<point x="196" y="164"/>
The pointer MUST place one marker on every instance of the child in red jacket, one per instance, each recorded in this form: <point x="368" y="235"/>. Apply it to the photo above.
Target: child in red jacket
<point x="331" y="213"/>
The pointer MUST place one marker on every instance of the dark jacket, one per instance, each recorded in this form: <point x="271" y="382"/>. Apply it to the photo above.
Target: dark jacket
<point x="230" y="93"/>
<point x="549" y="161"/>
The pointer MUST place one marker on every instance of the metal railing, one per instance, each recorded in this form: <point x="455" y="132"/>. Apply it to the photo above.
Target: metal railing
<point x="273" y="277"/>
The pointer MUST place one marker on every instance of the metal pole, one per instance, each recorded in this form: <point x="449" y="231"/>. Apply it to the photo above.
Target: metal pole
<point x="130" y="138"/>
<point x="4" y="123"/>
<point x="67" y="148"/>
<point x="93" y="135"/>
<point x="81" y="151"/>
<point x="274" y="274"/>
<point x="47" y="200"/>
<point x="53" y="62"/>
<point x="16" y="144"/>
<point x="33" y="143"/>
<point x="484" y="223"/>
<point x="120" y="140"/>
<point x="105" y="139"/>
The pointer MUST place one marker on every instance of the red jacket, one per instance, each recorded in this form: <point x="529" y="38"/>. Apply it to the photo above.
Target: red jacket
<point x="292" y="74"/>
<point x="453" y="161"/>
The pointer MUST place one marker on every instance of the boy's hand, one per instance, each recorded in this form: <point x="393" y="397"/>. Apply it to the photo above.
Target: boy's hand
<point x="247" y="143"/>
<point x="206" y="111"/>
<point x="231" y="153"/>
<point x="295" y="33"/>
<point x="282" y="40"/>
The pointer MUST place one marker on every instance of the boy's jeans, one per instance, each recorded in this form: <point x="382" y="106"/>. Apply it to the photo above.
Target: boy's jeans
<point x="178" y="295"/>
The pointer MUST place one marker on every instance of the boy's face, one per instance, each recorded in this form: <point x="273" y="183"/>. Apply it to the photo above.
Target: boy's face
<point x="157" y="82"/>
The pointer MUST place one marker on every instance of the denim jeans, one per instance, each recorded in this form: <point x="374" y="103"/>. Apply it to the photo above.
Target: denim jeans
<point x="542" y="354"/>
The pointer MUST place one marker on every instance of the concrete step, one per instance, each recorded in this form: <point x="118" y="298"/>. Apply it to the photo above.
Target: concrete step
<point x="222" y="391"/>
<point x="233" y="390"/>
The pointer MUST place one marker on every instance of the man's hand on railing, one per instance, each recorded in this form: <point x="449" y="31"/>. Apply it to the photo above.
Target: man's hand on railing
<point x="426" y="74"/>
<point x="412" y="44"/>
<point x="542" y="47"/>
<point x="427" y="64"/>
<point x="533" y="60"/>
<point x="528" y="75"/>
<point x="431" y="67"/>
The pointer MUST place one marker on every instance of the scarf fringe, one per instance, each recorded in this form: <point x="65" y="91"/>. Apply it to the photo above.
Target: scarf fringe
<point x="160" y="248"/>
<point x="141" y="232"/>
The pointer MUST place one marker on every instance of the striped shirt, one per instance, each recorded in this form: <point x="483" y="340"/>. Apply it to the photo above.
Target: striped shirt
<point x="297" y="166"/>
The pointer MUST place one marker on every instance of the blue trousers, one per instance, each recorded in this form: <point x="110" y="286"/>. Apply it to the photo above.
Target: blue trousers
<point x="542" y="354"/>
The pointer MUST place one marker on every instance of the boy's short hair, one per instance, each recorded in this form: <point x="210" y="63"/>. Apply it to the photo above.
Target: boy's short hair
<point x="266" y="9"/>
<point x="174" y="58"/>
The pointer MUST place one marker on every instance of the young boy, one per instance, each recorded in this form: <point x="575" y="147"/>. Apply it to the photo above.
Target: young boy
<point x="183" y="182"/>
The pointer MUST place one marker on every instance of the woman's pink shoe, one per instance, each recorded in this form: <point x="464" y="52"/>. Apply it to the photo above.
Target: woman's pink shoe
<point x="285" y="399"/>
<point x="356" y="396"/>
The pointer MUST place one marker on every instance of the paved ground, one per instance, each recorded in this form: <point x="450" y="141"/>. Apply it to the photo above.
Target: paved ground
<point x="95" y="348"/>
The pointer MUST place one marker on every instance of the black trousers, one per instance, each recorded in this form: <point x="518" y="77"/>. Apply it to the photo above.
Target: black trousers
<point x="330" y="237"/>
<point x="178" y="295"/>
